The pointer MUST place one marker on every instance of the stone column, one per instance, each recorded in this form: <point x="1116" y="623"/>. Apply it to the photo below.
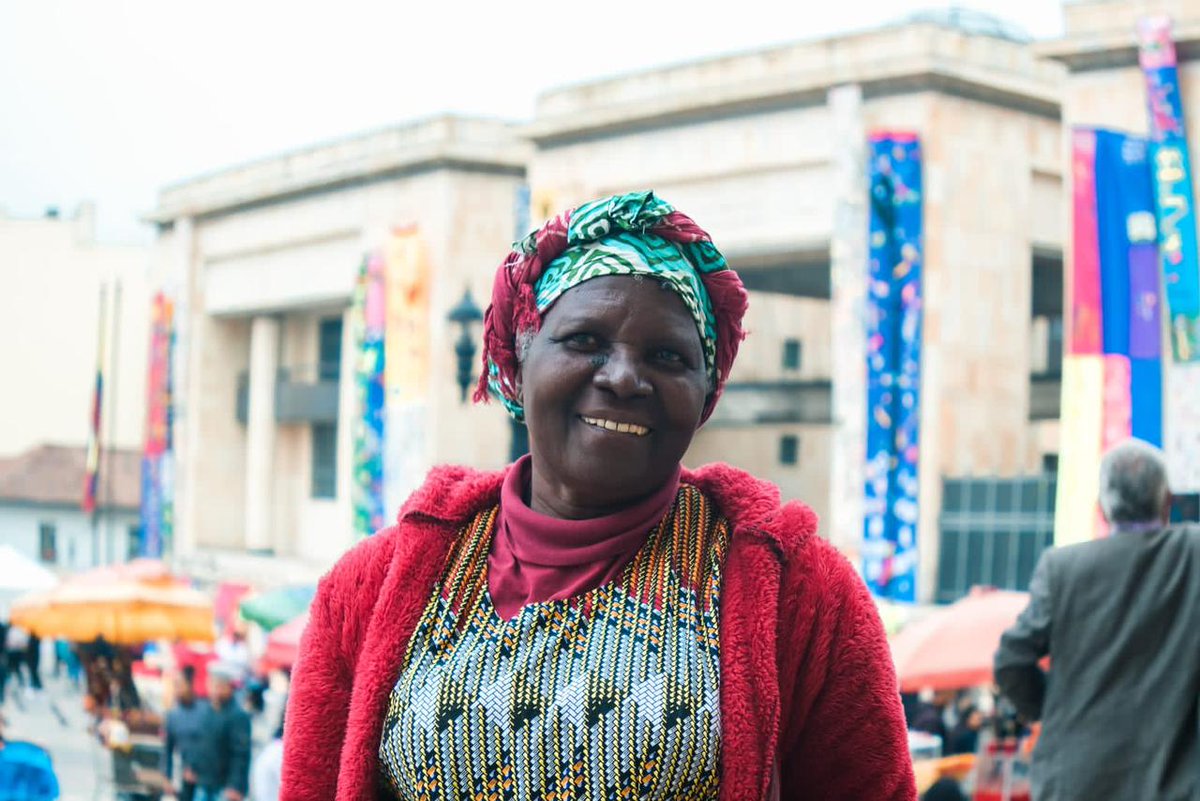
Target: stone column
<point x="848" y="251"/>
<point x="260" y="431"/>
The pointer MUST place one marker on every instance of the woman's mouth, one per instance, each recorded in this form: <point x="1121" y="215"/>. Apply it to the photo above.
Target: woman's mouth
<point x="612" y="425"/>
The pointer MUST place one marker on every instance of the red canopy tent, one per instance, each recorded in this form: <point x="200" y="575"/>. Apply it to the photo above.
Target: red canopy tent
<point x="953" y="646"/>
<point x="283" y="644"/>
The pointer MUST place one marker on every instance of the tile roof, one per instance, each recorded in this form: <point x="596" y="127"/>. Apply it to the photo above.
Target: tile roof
<point x="53" y="475"/>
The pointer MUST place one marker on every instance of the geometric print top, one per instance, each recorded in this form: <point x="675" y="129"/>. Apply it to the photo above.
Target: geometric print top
<point x="610" y="694"/>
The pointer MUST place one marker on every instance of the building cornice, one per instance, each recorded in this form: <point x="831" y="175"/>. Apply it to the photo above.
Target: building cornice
<point x="444" y="143"/>
<point x="1114" y="49"/>
<point x="915" y="58"/>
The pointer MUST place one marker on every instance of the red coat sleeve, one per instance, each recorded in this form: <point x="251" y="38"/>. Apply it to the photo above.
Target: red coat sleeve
<point x="845" y="739"/>
<point x="323" y="677"/>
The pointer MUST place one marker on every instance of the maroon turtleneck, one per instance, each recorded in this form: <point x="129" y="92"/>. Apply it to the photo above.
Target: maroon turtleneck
<point x="537" y="558"/>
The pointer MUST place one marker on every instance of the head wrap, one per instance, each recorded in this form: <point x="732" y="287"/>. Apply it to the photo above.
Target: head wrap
<point x="630" y="234"/>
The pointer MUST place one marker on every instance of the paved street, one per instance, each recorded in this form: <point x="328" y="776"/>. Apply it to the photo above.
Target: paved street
<point x="55" y="720"/>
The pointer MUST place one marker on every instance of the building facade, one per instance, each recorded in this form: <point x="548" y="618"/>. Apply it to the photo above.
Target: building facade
<point x="54" y="271"/>
<point x="40" y="514"/>
<point x="262" y="262"/>
<point x="262" y="259"/>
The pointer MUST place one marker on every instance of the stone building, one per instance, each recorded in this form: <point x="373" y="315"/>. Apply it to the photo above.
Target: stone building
<point x="262" y="259"/>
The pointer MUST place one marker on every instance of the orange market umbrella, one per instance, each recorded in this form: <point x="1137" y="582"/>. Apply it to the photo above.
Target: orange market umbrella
<point x="126" y="604"/>
<point x="283" y="644"/>
<point x="953" y="646"/>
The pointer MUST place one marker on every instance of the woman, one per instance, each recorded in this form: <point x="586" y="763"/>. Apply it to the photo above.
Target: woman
<point x="596" y="622"/>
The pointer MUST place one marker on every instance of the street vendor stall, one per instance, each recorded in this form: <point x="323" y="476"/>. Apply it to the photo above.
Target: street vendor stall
<point x="125" y="604"/>
<point x="112" y="614"/>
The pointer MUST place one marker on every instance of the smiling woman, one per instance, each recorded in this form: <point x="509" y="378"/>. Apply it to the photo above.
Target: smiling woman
<point x="596" y="621"/>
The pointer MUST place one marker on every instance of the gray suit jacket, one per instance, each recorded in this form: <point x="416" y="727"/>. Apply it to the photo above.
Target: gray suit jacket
<point x="1120" y="620"/>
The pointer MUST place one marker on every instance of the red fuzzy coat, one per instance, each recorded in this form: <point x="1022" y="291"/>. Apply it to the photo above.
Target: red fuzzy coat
<point x="809" y="703"/>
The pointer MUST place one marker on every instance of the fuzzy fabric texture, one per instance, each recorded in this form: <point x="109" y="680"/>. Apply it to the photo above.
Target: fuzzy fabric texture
<point x="809" y="701"/>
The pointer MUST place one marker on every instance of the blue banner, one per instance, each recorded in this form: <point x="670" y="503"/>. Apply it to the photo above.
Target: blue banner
<point x="893" y="368"/>
<point x="1174" y="200"/>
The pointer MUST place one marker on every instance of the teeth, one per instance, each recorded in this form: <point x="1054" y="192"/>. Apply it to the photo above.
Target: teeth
<point x="620" y="428"/>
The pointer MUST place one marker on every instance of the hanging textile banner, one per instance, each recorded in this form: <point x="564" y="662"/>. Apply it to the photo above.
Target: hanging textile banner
<point x="406" y="367"/>
<point x="368" y="316"/>
<point x="1173" y="186"/>
<point x="1178" y="251"/>
<point x="1112" y="377"/>
<point x="157" y="506"/>
<point x="893" y="311"/>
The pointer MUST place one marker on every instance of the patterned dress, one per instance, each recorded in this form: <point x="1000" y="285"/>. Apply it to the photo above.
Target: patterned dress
<point x="611" y="694"/>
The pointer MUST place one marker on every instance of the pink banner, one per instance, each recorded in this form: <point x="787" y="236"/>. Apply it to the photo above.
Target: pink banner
<point x="1083" y="278"/>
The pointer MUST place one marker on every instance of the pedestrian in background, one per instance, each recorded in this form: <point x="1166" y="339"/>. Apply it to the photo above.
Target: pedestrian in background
<point x="1119" y="618"/>
<point x="16" y="641"/>
<point x="183" y="729"/>
<point x="267" y="771"/>
<point x="33" y="660"/>
<point x="222" y="762"/>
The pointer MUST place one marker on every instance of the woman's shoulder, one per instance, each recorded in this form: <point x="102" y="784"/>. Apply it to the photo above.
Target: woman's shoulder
<point x="449" y="494"/>
<point x="753" y="504"/>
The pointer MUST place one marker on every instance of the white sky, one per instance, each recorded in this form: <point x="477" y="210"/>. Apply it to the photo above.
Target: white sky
<point x="109" y="100"/>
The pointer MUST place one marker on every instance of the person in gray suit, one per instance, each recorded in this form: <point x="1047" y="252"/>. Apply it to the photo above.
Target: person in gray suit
<point x="1119" y="618"/>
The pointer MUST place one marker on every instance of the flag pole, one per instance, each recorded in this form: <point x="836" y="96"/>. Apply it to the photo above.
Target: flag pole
<point x="111" y="428"/>
<point x="92" y="458"/>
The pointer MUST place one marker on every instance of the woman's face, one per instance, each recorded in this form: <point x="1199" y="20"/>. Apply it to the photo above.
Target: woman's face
<point x="617" y="353"/>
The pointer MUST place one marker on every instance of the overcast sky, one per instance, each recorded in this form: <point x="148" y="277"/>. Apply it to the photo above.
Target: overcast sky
<point x="108" y="101"/>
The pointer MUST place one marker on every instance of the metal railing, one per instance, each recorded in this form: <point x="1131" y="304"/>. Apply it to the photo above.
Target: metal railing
<point x="303" y="394"/>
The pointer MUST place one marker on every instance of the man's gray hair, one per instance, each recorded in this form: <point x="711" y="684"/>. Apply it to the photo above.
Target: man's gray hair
<point x="1133" y="483"/>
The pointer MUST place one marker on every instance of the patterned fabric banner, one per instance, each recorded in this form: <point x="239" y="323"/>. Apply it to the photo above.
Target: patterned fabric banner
<point x="368" y="315"/>
<point x="1178" y="251"/>
<point x="406" y="341"/>
<point x="1112" y="378"/>
<point x="157" y="509"/>
<point x="893" y="367"/>
<point x="91" y="476"/>
<point x="1173" y="185"/>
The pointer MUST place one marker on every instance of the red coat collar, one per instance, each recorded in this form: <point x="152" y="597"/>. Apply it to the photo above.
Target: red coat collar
<point x="453" y="494"/>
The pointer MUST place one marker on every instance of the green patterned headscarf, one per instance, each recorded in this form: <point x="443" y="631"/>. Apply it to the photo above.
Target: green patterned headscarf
<point x="630" y="234"/>
<point x="625" y="253"/>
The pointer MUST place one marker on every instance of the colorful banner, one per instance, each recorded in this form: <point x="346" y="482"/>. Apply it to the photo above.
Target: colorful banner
<point x="1178" y="251"/>
<point x="406" y="369"/>
<point x="1112" y="377"/>
<point x="91" y="476"/>
<point x="369" y="316"/>
<point x="1173" y="187"/>
<point x="893" y="309"/>
<point x="157" y="508"/>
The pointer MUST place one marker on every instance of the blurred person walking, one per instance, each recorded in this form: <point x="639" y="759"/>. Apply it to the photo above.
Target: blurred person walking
<point x="266" y="773"/>
<point x="1120" y="620"/>
<point x="33" y="661"/>
<point x="183" y="730"/>
<point x="222" y="766"/>
<point x="16" y="641"/>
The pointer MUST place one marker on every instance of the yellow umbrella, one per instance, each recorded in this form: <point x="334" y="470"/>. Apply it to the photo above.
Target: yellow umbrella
<point x="126" y="604"/>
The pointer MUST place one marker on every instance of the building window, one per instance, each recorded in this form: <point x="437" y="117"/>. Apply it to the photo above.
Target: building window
<point x="48" y="543"/>
<point x="329" y="349"/>
<point x="791" y="354"/>
<point x="324" y="460"/>
<point x="789" y="449"/>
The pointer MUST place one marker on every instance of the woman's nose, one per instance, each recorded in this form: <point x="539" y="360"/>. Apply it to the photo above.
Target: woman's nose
<point x="621" y="374"/>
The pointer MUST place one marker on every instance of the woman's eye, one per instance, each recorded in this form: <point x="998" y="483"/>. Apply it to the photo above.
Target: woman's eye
<point x="582" y="341"/>
<point x="668" y="355"/>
